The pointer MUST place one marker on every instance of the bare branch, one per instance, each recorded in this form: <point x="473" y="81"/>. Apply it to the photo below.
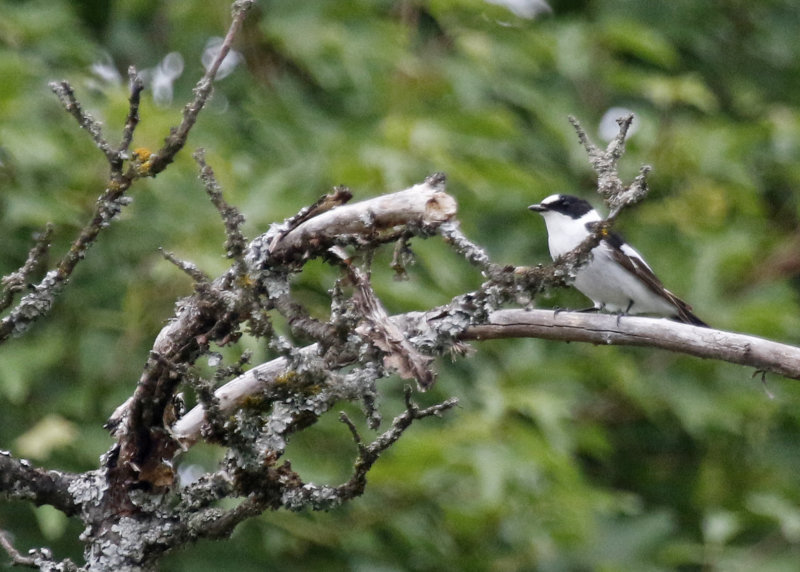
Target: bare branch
<point x="231" y="217"/>
<point x="189" y="268"/>
<point x="66" y="95"/>
<point x="109" y="204"/>
<point x="20" y="480"/>
<point x="301" y="322"/>
<point x="344" y="418"/>
<point x="299" y="495"/>
<point x="202" y="91"/>
<point x="339" y="196"/>
<point x="17" y="558"/>
<point x="15" y="282"/>
<point x="604" y="162"/>
<point x="423" y="208"/>
<point x="232" y="395"/>
<point x="660" y="333"/>
<point x="214" y="523"/>
<point x="435" y="327"/>
<point x="137" y="86"/>
<point x="368" y="454"/>
<point x="212" y="314"/>
<point x="474" y="254"/>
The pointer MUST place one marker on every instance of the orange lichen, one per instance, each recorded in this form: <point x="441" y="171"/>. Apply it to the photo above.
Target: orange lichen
<point x="141" y="161"/>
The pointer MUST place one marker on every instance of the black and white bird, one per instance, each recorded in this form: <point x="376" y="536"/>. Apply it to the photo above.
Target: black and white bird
<point x="616" y="278"/>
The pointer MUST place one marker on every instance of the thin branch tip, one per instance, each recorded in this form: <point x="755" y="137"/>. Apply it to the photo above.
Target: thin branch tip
<point x="241" y="6"/>
<point x="16" y="557"/>
<point x="437" y="180"/>
<point x="345" y="418"/>
<point x="625" y="121"/>
<point x="189" y="268"/>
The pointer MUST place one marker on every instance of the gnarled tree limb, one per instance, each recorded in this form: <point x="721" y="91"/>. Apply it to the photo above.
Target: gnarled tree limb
<point x="600" y="329"/>
<point x="20" y="480"/>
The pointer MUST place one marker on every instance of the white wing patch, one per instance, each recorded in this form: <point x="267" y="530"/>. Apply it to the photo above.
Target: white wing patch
<point x="635" y="257"/>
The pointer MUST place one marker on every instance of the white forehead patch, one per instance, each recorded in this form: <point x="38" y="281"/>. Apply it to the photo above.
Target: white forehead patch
<point x="550" y="200"/>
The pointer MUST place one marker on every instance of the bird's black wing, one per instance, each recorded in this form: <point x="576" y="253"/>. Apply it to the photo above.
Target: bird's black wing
<point x="630" y="260"/>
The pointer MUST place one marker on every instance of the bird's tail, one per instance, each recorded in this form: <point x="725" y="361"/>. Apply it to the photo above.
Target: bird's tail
<point x="685" y="314"/>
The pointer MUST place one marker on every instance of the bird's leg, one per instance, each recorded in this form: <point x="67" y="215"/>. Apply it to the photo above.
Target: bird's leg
<point x="624" y="312"/>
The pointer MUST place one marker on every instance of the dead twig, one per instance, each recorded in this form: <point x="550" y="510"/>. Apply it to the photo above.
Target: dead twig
<point x="16" y="557"/>
<point x="175" y="141"/>
<point x="235" y="242"/>
<point x="15" y="281"/>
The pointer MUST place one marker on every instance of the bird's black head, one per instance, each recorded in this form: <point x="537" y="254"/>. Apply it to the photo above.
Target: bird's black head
<point x="568" y="205"/>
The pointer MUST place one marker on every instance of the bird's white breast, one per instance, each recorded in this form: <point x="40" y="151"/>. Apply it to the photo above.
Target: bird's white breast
<point x="565" y="233"/>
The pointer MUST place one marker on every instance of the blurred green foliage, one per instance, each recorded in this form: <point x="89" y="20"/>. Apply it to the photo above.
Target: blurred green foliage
<point x="561" y="456"/>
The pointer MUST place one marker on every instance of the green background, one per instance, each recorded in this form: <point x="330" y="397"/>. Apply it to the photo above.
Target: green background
<point x="560" y="456"/>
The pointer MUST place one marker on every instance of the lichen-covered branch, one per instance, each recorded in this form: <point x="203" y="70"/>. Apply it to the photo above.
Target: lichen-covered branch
<point x="236" y="242"/>
<point x="604" y="162"/>
<point x="176" y="140"/>
<point x="189" y="268"/>
<point x="41" y="558"/>
<point x="20" y="480"/>
<point x="132" y="120"/>
<point x="92" y="126"/>
<point x="37" y="303"/>
<point x="435" y="329"/>
<point x="15" y="281"/>
<point x="140" y="163"/>
<point x="368" y="454"/>
<point x="420" y="208"/>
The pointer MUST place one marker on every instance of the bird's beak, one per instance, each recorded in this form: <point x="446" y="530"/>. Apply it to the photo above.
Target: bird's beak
<point x="537" y="208"/>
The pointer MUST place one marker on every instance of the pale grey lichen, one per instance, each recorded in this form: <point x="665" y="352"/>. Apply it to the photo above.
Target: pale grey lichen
<point x="89" y="489"/>
<point x="310" y="496"/>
